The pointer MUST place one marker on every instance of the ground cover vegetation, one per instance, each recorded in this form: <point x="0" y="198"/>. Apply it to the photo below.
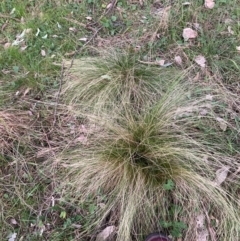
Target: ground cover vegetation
<point x="119" y="118"/>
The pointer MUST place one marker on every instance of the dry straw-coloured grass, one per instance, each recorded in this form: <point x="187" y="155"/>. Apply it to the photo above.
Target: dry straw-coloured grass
<point x="13" y="126"/>
<point x="131" y="160"/>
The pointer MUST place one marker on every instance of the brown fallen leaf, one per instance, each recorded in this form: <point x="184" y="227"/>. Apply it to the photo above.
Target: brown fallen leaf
<point x="189" y="33"/>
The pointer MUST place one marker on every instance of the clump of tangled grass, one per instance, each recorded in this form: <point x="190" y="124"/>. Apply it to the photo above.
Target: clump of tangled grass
<point x="167" y="155"/>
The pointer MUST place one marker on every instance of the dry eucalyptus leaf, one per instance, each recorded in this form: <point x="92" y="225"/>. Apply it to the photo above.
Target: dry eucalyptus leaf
<point x="202" y="232"/>
<point x="196" y="26"/>
<point x="70" y="54"/>
<point x="200" y="60"/>
<point x="73" y="29"/>
<point x="178" y="60"/>
<point x="12" y="237"/>
<point x="222" y="123"/>
<point x="228" y="20"/>
<point x="189" y="33"/>
<point x="200" y="219"/>
<point x="209" y="4"/>
<point x="43" y="52"/>
<point x="83" y="39"/>
<point x="109" y="5"/>
<point x="161" y="62"/>
<point x="38" y="31"/>
<point x="202" y="235"/>
<point x="221" y="174"/>
<point x="7" y="45"/>
<point x="230" y="30"/>
<point x="26" y="91"/>
<point x="4" y="25"/>
<point x="28" y="30"/>
<point x="23" y="47"/>
<point x="77" y="226"/>
<point x="13" y="221"/>
<point x="106" y="233"/>
<point x="82" y="139"/>
<point x="209" y="97"/>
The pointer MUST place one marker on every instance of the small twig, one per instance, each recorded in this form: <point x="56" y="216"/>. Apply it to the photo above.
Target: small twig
<point x="7" y="16"/>
<point x="58" y="95"/>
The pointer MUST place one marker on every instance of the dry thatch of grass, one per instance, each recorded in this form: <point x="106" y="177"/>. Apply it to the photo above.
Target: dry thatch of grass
<point x="13" y="126"/>
<point x="182" y="140"/>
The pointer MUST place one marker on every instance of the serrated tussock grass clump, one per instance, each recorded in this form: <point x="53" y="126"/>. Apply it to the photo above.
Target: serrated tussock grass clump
<point x="114" y="79"/>
<point x="146" y="163"/>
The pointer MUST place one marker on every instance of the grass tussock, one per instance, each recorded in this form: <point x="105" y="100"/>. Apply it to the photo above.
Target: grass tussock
<point x="113" y="79"/>
<point x="160" y="166"/>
